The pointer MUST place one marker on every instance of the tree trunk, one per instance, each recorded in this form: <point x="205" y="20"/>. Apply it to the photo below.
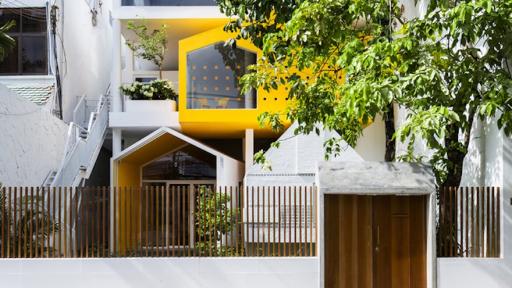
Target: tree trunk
<point x="455" y="156"/>
<point x="389" y="120"/>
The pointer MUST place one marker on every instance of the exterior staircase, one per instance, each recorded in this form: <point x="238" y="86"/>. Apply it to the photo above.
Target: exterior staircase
<point x="85" y="137"/>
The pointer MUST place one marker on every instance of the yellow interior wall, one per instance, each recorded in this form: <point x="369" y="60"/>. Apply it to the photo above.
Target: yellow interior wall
<point x="229" y="123"/>
<point x="128" y="180"/>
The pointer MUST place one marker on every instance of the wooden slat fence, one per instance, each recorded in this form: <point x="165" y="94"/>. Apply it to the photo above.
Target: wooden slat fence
<point x="155" y="221"/>
<point x="469" y="222"/>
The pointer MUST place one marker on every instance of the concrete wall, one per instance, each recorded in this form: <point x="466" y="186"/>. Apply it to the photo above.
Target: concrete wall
<point x="160" y="272"/>
<point x="85" y="58"/>
<point x="31" y="141"/>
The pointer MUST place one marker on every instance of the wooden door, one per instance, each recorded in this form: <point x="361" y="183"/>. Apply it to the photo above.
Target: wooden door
<point x="375" y="241"/>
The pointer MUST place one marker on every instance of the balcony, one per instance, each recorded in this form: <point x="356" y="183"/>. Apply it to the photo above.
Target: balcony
<point x="168" y="3"/>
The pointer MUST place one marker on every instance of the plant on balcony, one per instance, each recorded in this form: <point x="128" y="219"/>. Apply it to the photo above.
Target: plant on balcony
<point x="149" y="45"/>
<point x="214" y="218"/>
<point x="154" y="90"/>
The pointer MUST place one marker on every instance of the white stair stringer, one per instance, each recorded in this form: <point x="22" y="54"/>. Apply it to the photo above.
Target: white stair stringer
<point x="82" y="147"/>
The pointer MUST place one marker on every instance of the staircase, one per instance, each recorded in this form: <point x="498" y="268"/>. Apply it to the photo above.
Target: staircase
<point x="85" y="138"/>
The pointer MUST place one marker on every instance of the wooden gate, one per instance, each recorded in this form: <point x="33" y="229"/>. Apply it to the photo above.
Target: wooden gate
<point x="375" y="241"/>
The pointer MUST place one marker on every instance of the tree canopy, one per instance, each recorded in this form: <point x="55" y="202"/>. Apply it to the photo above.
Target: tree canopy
<point x="346" y="61"/>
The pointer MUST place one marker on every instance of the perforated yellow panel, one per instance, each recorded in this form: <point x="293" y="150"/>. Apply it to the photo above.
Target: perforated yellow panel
<point x="211" y="116"/>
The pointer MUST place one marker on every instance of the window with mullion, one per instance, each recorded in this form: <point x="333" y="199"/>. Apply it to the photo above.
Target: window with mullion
<point x="30" y="54"/>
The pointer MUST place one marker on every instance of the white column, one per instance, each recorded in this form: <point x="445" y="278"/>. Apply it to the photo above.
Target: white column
<point x="117" y="137"/>
<point x="117" y="104"/>
<point x="248" y="148"/>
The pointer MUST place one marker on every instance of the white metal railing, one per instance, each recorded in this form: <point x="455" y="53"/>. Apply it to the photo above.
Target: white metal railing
<point x="80" y="112"/>
<point x="83" y="146"/>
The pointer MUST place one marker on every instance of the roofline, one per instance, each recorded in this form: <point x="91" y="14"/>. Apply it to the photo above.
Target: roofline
<point x="165" y="130"/>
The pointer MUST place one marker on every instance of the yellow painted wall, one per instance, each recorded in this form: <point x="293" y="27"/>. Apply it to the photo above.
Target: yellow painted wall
<point x="222" y="123"/>
<point x="128" y="180"/>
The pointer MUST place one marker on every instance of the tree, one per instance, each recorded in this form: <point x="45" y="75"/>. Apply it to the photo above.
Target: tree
<point x="214" y="219"/>
<point x="446" y="69"/>
<point x="6" y="41"/>
<point x="149" y="46"/>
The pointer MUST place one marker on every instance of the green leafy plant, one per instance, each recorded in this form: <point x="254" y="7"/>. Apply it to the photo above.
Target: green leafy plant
<point x="213" y="219"/>
<point x="149" y="45"/>
<point x="355" y="60"/>
<point x="18" y="229"/>
<point x="154" y="90"/>
<point x="6" y="41"/>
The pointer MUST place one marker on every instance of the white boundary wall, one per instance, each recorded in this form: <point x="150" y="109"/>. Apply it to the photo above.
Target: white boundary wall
<point x="161" y="272"/>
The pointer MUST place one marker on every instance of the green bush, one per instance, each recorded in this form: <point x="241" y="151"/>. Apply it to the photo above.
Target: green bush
<point x="154" y="90"/>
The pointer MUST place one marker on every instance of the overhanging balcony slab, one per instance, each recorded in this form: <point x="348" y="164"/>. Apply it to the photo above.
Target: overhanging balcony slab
<point x="135" y="120"/>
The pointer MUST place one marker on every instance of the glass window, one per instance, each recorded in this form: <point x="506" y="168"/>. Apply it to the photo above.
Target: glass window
<point x="34" y="20"/>
<point x="10" y="63"/>
<point x="213" y="75"/>
<point x="9" y="14"/>
<point x="187" y="163"/>
<point x="34" y="55"/>
<point x="30" y="56"/>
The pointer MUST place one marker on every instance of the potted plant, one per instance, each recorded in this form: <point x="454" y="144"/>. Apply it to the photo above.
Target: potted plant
<point x="149" y="45"/>
<point x="148" y="97"/>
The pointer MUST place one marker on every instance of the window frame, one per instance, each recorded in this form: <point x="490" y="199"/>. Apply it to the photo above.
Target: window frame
<point x="18" y="35"/>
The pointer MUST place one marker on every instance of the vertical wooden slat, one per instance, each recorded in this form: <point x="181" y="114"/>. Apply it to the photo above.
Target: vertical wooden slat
<point x="167" y="220"/>
<point x="477" y="230"/>
<point x="173" y="216"/>
<point x="97" y="205"/>
<point x="25" y="200"/>
<point x="450" y="227"/>
<point x="36" y="244"/>
<point x="315" y="215"/>
<point x="268" y="223"/>
<point x="488" y="220"/>
<point x="493" y="221"/>
<point x="104" y="221"/>
<point x="253" y="248"/>
<point x="461" y="221"/>
<point x="49" y="248"/>
<point x="284" y="223"/>
<point x="65" y="227"/>
<point x="262" y="223"/>
<point x="85" y="206"/>
<point x="59" y="233"/>
<point x="279" y="221"/>
<point x="274" y="221"/>
<point x="473" y="226"/>
<point x="15" y="225"/>
<point x="146" y="216"/>
<point x="9" y="212"/>
<point x="300" y="222"/>
<point x="232" y="228"/>
<point x="184" y="219"/>
<point x="31" y="223"/>
<point x="258" y="214"/>
<point x="295" y="221"/>
<point x="290" y="221"/>
<point x="157" y="219"/>
<point x="178" y="220"/>
<point x="246" y="222"/>
<point x="221" y="191"/>
<point x="466" y="224"/>
<point x="151" y="219"/>
<point x="498" y="222"/>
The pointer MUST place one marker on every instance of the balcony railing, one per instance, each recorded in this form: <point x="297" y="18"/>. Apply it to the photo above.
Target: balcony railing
<point x="168" y="3"/>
